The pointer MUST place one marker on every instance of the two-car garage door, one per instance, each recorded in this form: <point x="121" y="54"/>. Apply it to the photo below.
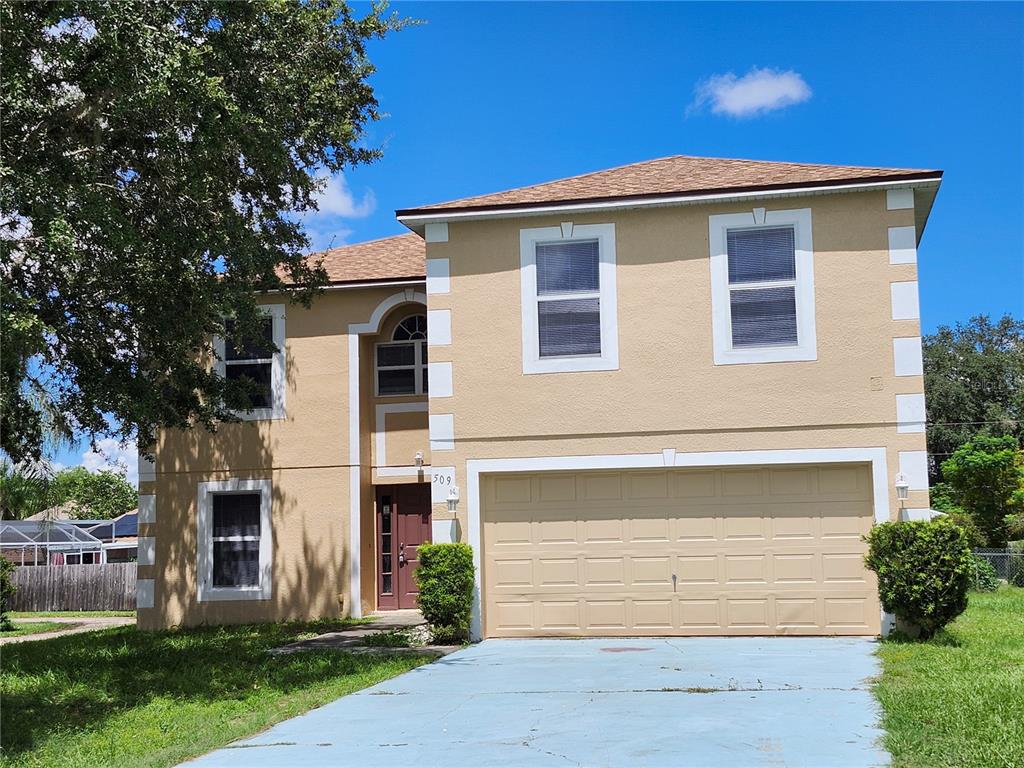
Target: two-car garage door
<point x="733" y="551"/>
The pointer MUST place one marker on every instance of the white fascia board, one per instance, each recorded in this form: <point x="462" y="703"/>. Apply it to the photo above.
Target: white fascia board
<point x="421" y="219"/>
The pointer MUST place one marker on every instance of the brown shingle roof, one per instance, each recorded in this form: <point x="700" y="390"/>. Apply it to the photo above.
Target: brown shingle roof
<point x="679" y="175"/>
<point x="402" y="257"/>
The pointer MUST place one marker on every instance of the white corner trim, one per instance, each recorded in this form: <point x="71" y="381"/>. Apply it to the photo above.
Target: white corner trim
<point x="875" y="457"/>
<point x="914" y="464"/>
<point x="145" y="591"/>
<point x="906" y="353"/>
<point x="380" y="436"/>
<point x="899" y="199"/>
<point x="146" y="550"/>
<point x="721" y="313"/>
<point x="608" y="360"/>
<point x="902" y="245"/>
<point x="441" y="383"/>
<point x="277" y="367"/>
<point x="436" y="233"/>
<point x="147" y="469"/>
<point x="905" y="302"/>
<point x="147" y="508"/>
<point x="204" y="541"/>
<point x="442" y="532"/>
<point x="438" y="276"/>
<point x="439" y="327"/>
<point x="354" y="476"/>
<point x="910" y="413"/>
<point x="442" y="432"/>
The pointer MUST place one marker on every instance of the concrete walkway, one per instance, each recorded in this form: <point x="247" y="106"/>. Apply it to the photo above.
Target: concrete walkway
<point x="678" y="702"/>
<point x="77" y="626"/>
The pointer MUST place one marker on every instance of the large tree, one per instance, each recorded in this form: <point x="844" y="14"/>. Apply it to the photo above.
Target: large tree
<point x="974" y="384"/>
<point x="156" y="158"/>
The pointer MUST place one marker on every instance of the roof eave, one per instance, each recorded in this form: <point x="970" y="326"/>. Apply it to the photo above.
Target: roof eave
<point x="416" y="218"/>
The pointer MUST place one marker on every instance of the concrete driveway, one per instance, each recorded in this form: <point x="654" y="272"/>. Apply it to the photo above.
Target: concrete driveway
<point x="631" y="703"/>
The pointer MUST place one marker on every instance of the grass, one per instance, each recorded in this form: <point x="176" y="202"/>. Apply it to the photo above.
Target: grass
<point x="957" y="700"/>
<point x="120" y="697"/>
<point x="66" y="614"/>
<point x="395" y="638"/>
<point x="34" y="627"/>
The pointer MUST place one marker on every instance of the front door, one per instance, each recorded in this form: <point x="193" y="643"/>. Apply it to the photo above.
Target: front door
<point x="403" y="523"/>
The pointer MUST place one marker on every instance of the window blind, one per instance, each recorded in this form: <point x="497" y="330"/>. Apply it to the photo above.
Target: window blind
<point x="762" y="287"/>
<point x="568" y="298"/>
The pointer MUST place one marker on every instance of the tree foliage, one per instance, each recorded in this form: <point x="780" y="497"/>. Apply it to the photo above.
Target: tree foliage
<point x="24" y="490"/>
<point x="93" y="495"/>
<point x="156" y="158"/>
<point x="985" y="477"/>
<point x="974" y="383"/>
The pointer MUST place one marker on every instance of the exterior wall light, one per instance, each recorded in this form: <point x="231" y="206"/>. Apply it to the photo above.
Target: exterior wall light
<point x="453" y="498"/>
<point x="419" y="459"/>
<point x="902" y="487"/>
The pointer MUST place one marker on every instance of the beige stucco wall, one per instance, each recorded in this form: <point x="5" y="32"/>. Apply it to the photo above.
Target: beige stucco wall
<point x="667" y="392"/>
<point x="307" y="457"/>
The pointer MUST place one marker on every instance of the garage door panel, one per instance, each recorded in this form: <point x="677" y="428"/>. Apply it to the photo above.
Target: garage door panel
<point x="731" y="551"/>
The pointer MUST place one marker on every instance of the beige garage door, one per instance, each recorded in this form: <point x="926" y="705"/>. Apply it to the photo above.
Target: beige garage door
<point x="738" y="551"/>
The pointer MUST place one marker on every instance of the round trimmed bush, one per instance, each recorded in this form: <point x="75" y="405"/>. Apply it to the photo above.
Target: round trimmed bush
<point x="924" y="569"/>
<point x="445" y="579"/>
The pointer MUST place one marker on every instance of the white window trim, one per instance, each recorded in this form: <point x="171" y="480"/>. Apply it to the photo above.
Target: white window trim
<point x="204" y="546"/>
<point x="277" y="374"/>
<point x="721" y="314"/>
<point x="608" y="360"/>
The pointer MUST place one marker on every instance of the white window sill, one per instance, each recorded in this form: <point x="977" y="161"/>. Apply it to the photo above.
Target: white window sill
<point x="569" y="364"/>
<point x="217" y="594"/>
<point x="765" y="355"/>
<point x="261" y="414"/>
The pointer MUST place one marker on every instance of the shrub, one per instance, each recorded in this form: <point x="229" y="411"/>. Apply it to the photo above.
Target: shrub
<point x="983" y="576"/>
<point x="7" y="590"/>
<point x="445" y="578"/>
<point x="923" y="568"/>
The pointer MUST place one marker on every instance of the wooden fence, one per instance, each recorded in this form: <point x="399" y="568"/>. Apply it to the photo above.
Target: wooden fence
<point x="106" y="587"/>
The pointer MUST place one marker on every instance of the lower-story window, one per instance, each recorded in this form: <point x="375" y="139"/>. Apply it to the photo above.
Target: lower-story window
<point x="234" y="540"/>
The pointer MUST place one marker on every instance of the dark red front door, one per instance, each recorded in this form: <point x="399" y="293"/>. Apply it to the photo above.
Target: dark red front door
<point x="403" y="523"/>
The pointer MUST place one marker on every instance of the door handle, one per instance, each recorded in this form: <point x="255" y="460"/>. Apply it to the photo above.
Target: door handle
<point x="401" y="553"/>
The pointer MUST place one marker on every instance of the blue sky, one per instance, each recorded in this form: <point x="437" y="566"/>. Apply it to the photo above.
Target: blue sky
<point x="483" y="97"/>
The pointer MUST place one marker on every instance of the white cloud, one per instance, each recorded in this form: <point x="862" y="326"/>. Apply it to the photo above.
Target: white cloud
<point x="757" y="92"/>
<point x="336" y="199"/>
<point x="328" y="227"/>
<point x="110" y="454"/>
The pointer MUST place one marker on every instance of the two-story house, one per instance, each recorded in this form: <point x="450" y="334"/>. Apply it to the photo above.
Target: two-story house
<point x="662" y="399"/>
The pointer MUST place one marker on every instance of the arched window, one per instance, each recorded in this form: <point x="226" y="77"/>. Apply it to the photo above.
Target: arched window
<point x="411" y="329"/>
<point x="402" y="362"/>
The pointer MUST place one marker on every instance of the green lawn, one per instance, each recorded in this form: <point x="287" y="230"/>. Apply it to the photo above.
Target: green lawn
<point x="66" y="614"/>
<point x="958" y="699"/>
<point x="33" y="627"/>
<point x="120" y="697"/>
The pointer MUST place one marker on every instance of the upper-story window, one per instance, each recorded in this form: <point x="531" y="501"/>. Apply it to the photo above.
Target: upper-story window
<point x="259" y="361"/>
<point x="762" y="279"/>
<point x="402" y="362"/>
<point x="569" y="302"/>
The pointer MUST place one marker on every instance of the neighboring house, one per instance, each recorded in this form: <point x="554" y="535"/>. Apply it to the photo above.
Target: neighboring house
<point x="663" y="399"/>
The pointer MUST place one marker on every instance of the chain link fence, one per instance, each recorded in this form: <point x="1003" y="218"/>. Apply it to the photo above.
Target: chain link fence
<point x="1007" y="563"/>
